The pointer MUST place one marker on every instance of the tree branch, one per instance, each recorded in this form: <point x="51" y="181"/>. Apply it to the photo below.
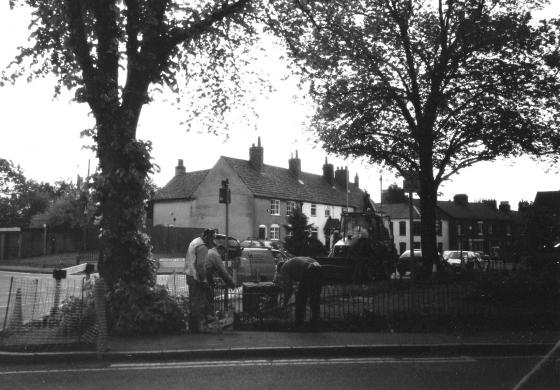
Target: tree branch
<point x="81" y="48"/>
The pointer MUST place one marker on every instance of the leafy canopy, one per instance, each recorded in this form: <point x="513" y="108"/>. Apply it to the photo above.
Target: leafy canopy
<point x="427" y="86"/>
<point x="119" y="54"/>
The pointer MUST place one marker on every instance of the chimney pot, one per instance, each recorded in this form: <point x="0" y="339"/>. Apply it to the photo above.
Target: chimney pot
<point x="180" y="168"/>
<point x="294" y="164"/>
<point x="328" y="172"/>
<point x="256" y="156"/>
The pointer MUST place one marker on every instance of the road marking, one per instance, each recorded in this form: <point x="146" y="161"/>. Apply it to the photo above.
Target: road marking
<point x="246" y="363"/>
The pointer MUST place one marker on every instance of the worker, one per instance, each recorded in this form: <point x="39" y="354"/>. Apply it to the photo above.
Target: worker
<point x="214" y="264"/>
<point x="200" y="292"/>
<point x="307" y="273"/>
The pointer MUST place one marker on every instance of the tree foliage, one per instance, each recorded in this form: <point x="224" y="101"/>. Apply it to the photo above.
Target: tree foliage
<point x="20" y="198"/>
<point x="394" y="194"/>
<point x="427" y="88"/>
<point x="299" y="240"/>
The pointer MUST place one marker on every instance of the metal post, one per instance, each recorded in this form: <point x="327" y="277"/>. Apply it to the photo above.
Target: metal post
<point x="411" y="222"/>
<point x="8" y="304"/>
<point x="44" y="239"/>
<point x="2" y="244"/>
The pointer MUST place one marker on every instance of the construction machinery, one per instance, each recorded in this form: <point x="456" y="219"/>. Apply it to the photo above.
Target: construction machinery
<point x="363" y="248"/>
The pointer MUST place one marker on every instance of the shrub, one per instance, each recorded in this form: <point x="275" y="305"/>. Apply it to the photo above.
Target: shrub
<point x="520" y="287"/>
<point x="136" y="310"/>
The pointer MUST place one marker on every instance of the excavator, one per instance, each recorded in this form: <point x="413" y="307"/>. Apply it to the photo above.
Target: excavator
<point x="364" y="251"/>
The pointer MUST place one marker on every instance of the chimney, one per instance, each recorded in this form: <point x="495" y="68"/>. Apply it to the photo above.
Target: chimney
<point x="357" y="180"/>
<point x="256" y="156"/>
<point x="341" y="177"/>
<point x="180" y="168"/>
<point x="461" y="199"/>
<point x="294" y="165"/>
<point x="328" y="172"/>
<point x="504" y="207"/>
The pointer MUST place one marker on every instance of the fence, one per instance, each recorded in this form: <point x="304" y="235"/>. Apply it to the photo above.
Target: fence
<point x="44" y="313"/>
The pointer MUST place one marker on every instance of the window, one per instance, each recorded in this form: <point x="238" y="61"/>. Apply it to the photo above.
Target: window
<point x="314" y="232"/>
<point x="490" y="228"/>
<point x="508" y="229"/>
<point x="416" y="228"/>
<point x="274" y="232"/>
<point x="274" y="207"/>
<point x="416" y="244"/>
<point x="402" y="228"/>
<point x="402" y="247"/>
<point x="480" y="227"/>
<point x="327" y="211"/>
<point x="313" y="210"/>
<point x="290" y="207"/>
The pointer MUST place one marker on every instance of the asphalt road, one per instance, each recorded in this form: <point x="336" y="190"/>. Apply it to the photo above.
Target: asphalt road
<point x="446" y="372"/>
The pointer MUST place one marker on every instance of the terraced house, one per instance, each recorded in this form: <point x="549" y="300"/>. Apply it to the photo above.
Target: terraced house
<point x="262" y="196"/>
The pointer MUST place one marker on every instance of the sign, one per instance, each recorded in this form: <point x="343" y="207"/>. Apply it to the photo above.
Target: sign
<point x="411" y="182"/>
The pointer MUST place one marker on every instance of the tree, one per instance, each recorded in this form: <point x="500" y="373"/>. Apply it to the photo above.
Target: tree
<point x="110" y="52"/>
<point x="20" y="198"/>
<point x="426" y="88"/>
<point x="394" y="194"/>
<point x="298" y="237"/>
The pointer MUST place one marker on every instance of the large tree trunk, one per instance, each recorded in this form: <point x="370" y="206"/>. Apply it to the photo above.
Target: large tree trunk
<point x="124" y="164"/>
<point x="428" y="196"/>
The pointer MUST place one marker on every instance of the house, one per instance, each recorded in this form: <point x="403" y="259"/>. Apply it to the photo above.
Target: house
<point x="481" y="226"/>
<point x="460" y="224"/>
<point x="262" y="196"/>
<point x="399" y="214"/>
<point x="545" y="218"/>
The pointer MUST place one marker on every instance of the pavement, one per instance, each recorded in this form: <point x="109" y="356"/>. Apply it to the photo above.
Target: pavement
<point x="267" y="345"/>
<point x="231" y="344"/>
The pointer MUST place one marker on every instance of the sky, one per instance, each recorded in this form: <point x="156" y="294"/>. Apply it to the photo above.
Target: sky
<point x="42" y="136"/>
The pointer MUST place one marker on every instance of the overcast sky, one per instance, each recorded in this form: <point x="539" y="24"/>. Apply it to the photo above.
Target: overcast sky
<point x="42" y="136"/>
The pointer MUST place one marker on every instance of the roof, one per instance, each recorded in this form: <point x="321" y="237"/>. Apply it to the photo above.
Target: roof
<point x="270" y="182"/>
<point x="549" y="199"/>
<point x="182" y="186"/>
<point x="473" y="210"/>
<point x="280" y="183"/>
<point x="398" y="210"/>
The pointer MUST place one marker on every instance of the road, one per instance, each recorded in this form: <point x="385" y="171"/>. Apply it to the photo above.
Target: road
<point x="446" y="372"/>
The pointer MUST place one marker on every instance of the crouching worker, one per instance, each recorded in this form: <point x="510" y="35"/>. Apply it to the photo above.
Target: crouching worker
<point x="307" y="273"/>
<point x="200" y="292"/>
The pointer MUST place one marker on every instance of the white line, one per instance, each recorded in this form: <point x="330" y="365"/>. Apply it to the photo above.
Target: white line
<point x="242" y="363"/>
<point x="537" y="366"/>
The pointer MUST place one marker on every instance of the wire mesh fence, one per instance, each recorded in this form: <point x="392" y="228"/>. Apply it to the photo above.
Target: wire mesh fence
<point x="43" y="313"/>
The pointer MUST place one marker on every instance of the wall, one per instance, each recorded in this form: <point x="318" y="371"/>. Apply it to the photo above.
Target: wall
<point x="208" y="212"/>
<point x="320" y="220"/>
<point x="164" y="212"/>
<point x="172" y="240"/>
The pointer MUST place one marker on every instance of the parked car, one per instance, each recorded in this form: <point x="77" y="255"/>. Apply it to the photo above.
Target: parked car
<point x="469" y="260"/>
<point x="257" y="265"/>
<point x="234" y="246"/>
<point x="423" y="265"/>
